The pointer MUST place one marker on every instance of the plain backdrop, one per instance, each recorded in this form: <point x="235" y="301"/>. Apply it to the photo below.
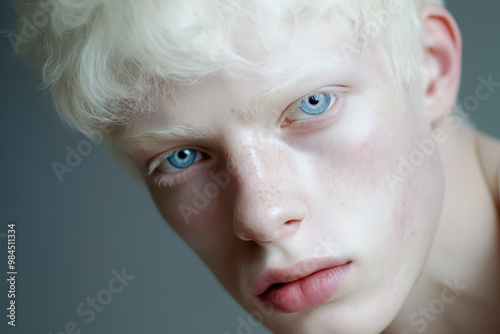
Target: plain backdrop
<point x="72" y="234"/>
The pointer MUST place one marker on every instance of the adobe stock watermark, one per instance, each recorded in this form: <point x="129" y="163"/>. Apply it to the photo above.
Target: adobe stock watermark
<point x="428" y="146"/>
<point x="74" y="156"/>
<point x="220" y="180"/>
<point x="88" y="309"/>
<point x="226" y="6"/>
<point x="374" y="27"/>
<point x="202" y="197"/>
<point x="31" y="26"/>
<point x="255" y="319"/>
<point x="421" y="318"/>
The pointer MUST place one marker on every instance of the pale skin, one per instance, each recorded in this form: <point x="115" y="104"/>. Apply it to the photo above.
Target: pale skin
<point x="296" y="182"/>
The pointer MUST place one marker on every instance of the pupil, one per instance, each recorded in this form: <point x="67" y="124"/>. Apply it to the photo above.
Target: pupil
<point x="313" y="100"/>
<point x="182" y="155"/>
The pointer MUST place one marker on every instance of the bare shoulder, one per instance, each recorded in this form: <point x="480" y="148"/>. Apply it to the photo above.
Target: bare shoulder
<point x="489" y="154"/>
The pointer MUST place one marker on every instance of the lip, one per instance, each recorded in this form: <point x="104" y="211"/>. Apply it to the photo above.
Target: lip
<point x="306" y="283"/>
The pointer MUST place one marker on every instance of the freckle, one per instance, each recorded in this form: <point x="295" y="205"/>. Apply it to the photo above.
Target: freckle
<point x="232" y="110"/>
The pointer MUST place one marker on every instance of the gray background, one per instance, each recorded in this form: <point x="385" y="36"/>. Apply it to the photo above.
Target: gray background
<point x="70" y="235"/>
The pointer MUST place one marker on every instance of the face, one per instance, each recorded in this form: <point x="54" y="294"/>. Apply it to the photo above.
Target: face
<point x="287" y="191"/>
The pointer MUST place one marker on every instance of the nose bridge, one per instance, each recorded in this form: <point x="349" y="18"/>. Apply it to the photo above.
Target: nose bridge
<point x="251" y="157"/>
<point x="265" y="208"/>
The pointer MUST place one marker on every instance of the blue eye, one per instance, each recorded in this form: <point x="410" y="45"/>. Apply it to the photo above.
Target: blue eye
<point x="182" y="158"/>
<point x="179" y="160"/>
<point x="315" y="104"/>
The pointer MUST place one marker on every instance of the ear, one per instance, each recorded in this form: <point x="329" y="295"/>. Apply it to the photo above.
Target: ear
<point x="442" y="63"/>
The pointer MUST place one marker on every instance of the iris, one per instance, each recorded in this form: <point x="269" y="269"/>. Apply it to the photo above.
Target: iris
<point x="182" y="158"/>
<point x="315" y="104"/>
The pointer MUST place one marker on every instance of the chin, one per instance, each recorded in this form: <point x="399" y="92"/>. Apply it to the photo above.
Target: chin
<point x="339" y="317"/>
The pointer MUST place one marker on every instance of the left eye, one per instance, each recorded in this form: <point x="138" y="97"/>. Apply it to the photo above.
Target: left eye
<point x="310" y="106"/>
<point x="316" y="104"/>
<point x="179" y="160"/>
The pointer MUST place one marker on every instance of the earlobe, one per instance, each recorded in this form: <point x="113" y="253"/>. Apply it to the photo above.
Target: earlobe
<point x="442" y="62"/>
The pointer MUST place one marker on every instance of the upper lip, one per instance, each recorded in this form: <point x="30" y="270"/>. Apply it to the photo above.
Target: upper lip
<point x="296" y="271"/>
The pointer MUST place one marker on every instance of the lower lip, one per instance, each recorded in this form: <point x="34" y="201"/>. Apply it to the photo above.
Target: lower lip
<point x="309" y="291"/>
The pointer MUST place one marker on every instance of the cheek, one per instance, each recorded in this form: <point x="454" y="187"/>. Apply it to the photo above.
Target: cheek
<point x="209" y="230"/>
<point x="364" y="146"/>
<point x="198" y="212"/>
<point x="190" y="209"/>
<point x="363" y="158"/>
<point x="400" y="187"/>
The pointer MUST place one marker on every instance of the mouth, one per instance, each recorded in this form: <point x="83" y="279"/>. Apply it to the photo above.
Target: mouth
<point x="305" y="284"/>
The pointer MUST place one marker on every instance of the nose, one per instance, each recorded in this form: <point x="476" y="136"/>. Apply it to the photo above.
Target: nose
<point x="268" y="204"/>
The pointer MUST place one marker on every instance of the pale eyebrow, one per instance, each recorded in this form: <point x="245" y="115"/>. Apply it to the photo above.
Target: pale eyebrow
<point x="327" y="64"/>
<point x="197" y="131"/>
<point x="169" y="133"/>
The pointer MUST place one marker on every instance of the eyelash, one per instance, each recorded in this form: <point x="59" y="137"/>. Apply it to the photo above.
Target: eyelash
<point x="304" y="124"/>
<point x="170" y="180"/>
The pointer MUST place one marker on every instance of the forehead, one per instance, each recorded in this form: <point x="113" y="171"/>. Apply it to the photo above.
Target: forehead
<point x="293" y="60"/>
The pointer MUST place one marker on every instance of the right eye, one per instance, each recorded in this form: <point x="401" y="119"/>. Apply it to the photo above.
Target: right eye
<point x="179" y="160"/>
<point x="316" y="104"/>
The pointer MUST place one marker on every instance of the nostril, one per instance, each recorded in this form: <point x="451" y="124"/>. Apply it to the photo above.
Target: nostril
<point x="289" y="227"/>
<point x="292" y="223"/>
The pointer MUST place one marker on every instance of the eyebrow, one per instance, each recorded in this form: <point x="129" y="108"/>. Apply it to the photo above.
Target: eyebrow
<point x="197" y="131"/>
<point x="315" y="68"/>
<point x="169" y="133"/>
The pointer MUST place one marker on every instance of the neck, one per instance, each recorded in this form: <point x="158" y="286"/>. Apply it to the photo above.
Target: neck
<point x="458" y="288"/>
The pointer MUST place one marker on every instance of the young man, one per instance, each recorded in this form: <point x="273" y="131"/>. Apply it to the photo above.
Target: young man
<point x="307" y="151"/>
